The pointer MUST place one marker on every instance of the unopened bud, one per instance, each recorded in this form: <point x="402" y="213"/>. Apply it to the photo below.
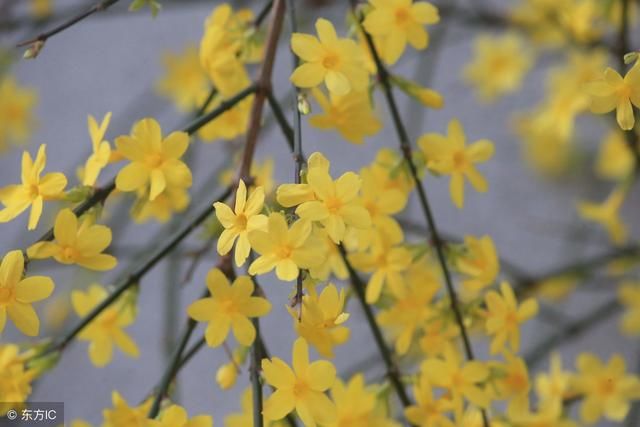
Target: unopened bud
<point x="34" y="50"/>
<point x="226" y="376"/>
<point x="303" y="104"/>
<point x="631" y="57"/>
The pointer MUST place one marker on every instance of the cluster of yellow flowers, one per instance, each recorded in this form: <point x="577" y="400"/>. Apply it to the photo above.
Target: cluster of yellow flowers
<point x="325" y="229"/>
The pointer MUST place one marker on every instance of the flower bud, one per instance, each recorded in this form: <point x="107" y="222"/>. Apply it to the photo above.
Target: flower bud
<point x="226" y="376"/>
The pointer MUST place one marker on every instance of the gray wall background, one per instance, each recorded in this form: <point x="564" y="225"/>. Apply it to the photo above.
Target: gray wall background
<point x="110" y="62"/>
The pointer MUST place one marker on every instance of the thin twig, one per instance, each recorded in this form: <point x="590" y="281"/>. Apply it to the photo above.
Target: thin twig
<point x="43" y="37"/>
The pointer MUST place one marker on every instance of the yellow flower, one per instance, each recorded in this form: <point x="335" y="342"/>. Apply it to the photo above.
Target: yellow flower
<point x="612" y="92"/>
<point x="333" y="263"/>
<point x="553" y="388"/>
<point x="351" y="115"/>
<point x="512" y="383"/>
<point x="410" y="310"/>
<point x="184" y="81"/>
<point x="262" y="173"/>
<point x="176" y="416"/>
<point x="285" y="249"/>
<point x="16" y="112"/>
<point x="428" y="411"/>
<point x="41" y="9"/>
<point x="607" y="214"/>
<point x="222" y="49"/>
<point x="356" y="405"/>
<point x="629" y="297"/>
<point x="460" y="379"/>
<point x="334" y="204"/>
<point x="301" y="388"/>
<point x="18" y="293"/>
<point x="230" y="124"/>
<point x="336" y="61"/>
<point x="226" y="375"/>
<point x="241" y="221"/>
<point x="101" y="149"/>
<point x="615" y="160"/>
<point x="504" y="317"/>
<point x="173" y="199"/>
<point x="448" y="155"/>
<point x="154" y="161"/>
<point x="229" y="307"/>
<point x="75" y="243"/>
<point x="15" y="378"/>
<point x="499" y="65"/>
<point x="387" y="262"/>
<point x="123" y="415"/>
<point x="479" y="263"/>
<point x="245" y="418"/>
<point x="398" y="22"/>
<point x="607" y="390"/>
<point x="33" y="190"/>
<point x="322" y="319"/>
<point x="438" y="337"/>
<point x="107" y="328"/>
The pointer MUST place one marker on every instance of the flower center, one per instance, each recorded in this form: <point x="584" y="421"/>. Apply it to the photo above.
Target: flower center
<point x="606" y="386"/>
<point x="300" y="389"/>
<point x="6" y="295"/>
<point x="330" y="61"/>
<point x="228" y="307"/>
<point x="155" y="160"/>
<point x="402" y="15"/>
<point x="241" y="222"/>
<point x="516" y="382"/>
<point x="333" y="205"/>
<point x="624" y="91"/>
<point x="284" y="252"/>
<point x="459" y="160"/>
<point x="34" y="191"/>
<point x="109" y="318"/>
<point x="69" y="254"/>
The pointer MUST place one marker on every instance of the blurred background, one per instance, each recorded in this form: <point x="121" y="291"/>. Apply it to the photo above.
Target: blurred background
<point x="112" y="61"/>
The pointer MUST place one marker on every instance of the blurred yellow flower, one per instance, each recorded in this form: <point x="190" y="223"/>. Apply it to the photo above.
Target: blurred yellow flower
<point x="176" y="416"/>
<point x="479" y="263"/>
<point x="124" y="415"/>
<point x="184" y="81"/>
<point x="607" y="214"/>
<point x="613" y="92"/>
<point x="107" y="329"/>
<point x="429" y="411"/>
<point x="16" y="112"/>
<point x="629" y="297"/>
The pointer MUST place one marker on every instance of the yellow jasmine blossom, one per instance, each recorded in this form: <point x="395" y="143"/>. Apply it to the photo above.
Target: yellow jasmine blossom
<point x="398" y="22"/>
<point x="230" y="124"/>
<point x="15" y="378"/>
<point x="17" y="293"/>
<point x="479" y="263"/>
<point x="387" y="262"/>
<point x="607" y="214"/>
<point x="512" y="383"/>
<point x="16" y="112"/>
<point x="285" y="249"/>
<point x="613" y="92"/>
<point x="333" y="263"/>
<point x="615" y="160"/>
<point x="176" y="416"/>
<point x="351" y="115"/>
<point x="301" y="388"/>
<point x="185" y="81"/>
<point x="33" y="190"/>
<point x="245" y="418"/>
<point x="75" y="243"/>
<point x="334" y="204"/>
<point x="356" y="405"/>
<point x="229" y="307"/>
<point x="428" y="411"/>
<point x="161" y="208"/>
<point x="238" y="223"/>
<point x="107" y="329"/>
<point x="553" y="387"/>
<point x="262" y="173"/>
<point x="154" y="161"/>
<point x="222" y="49"/>
<point x="499" y="65"/>
<point x="438" y="337"/>
<point x="460" y="379"/>
<point x="101" y="149"/>
<point x="504" y="316"/>
<point x="124" y="415"/>
<point x="409" y="311"/>
<point x="41" y="9"/>
<point x="606" y="388"/>
<point x="448" y="155"/>
<point x="427" y="97"/>
<point x="322" y="319"/>
<point x="629" y="297"/>
<point x="338" y="62"/>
